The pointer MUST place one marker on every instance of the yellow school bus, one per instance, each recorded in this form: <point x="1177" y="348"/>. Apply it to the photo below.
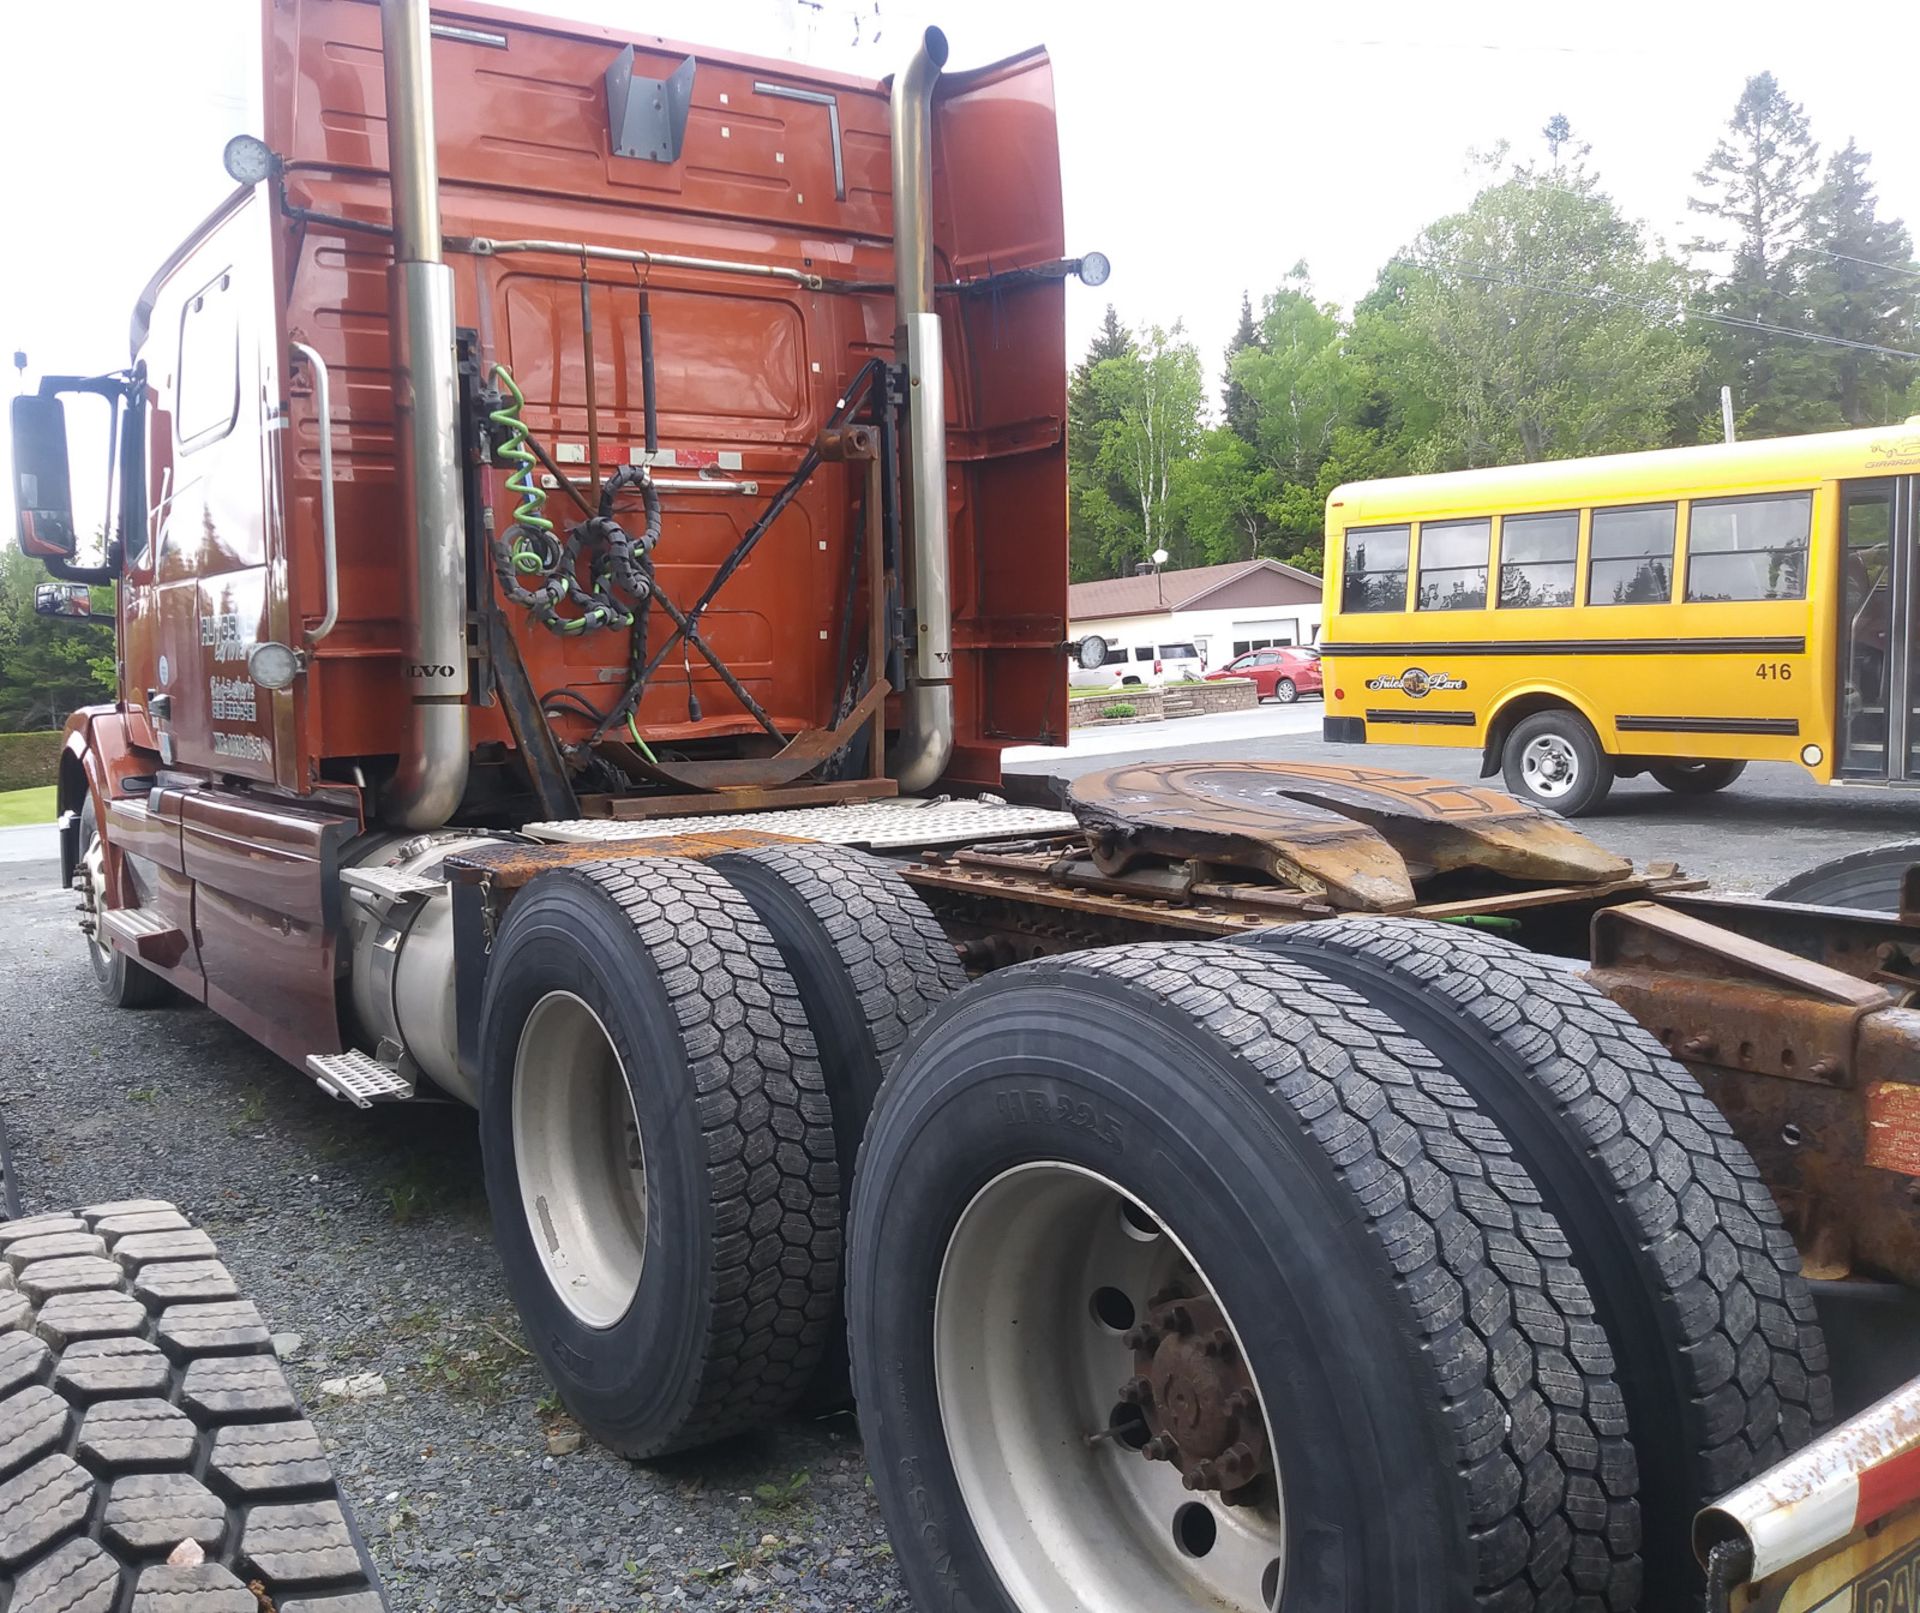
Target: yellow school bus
<point x="1678" y="613"/>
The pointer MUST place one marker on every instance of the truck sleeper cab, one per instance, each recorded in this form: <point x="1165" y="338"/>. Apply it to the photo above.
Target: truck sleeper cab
<point x="490" y="543"/>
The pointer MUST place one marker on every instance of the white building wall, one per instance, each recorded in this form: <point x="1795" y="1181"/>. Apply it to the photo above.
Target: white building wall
<point x="1215" y="631"/>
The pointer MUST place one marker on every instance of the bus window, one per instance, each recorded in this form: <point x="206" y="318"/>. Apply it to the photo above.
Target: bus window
<point x="1537" y="559"/>
<point x="1374" y="573"/>
<point x="1748" y="548"/>
<point x="1453" y="565"/>
<point x="1632" y="556"/>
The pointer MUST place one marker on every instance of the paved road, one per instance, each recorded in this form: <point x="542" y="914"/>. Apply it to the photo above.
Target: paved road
<point x="1774" y="822"/>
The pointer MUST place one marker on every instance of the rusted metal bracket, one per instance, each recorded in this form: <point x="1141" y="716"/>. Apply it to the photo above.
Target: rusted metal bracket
<point x="1717" y="997"/>
<point x="1817" y="1071"/>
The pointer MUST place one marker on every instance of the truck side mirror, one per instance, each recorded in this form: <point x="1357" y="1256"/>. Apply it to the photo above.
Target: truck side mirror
<point x="67" y="601"/>
<point x="42" y="492"/>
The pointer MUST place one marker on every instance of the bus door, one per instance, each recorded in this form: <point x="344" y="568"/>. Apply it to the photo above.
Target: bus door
<point x="1878" y="723"/>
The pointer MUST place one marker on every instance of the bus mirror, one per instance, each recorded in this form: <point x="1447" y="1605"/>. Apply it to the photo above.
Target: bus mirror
<point x="42" y="492"/>
<point x="68" y="601"/>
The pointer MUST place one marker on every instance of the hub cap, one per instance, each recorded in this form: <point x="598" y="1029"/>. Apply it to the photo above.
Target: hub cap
<point x="1106" y="1433"/>
<point x="1550" y="766"/>
<point x="581" y="1163"/>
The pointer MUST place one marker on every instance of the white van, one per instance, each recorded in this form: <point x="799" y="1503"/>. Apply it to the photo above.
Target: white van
<point x="1141" y="665"/>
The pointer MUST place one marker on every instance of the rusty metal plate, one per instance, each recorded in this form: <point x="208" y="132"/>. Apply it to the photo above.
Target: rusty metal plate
<point x="1361" y="835"/>
<point x="1893" y="1127"/>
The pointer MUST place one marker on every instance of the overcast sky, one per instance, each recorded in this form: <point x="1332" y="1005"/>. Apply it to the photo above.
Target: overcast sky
<point x="1206" y="147"/>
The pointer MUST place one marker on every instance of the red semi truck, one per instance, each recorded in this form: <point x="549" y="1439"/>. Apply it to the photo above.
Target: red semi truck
<point x="588" y="516"/>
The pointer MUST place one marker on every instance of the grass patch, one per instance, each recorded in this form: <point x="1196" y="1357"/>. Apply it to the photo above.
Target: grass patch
<point x="26" y="806"/>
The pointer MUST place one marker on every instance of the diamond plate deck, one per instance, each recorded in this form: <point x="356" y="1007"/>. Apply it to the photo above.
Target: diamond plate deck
<point x="875" y="825"/>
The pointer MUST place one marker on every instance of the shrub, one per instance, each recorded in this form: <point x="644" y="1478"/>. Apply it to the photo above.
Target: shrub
<point x="1121" y="710"/>
<point x="28" y="761"/>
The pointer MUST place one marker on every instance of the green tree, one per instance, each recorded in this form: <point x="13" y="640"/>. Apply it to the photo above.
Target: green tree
<point x="1224" y="498"/>
<point x="1757" y="188"/>
<point x="47" y="667"/>
<point x="1156" y="426"/>
<point x="1859" y="285"/>
<point x="1237" y="407"/>
<point x="1538" y="324"/>
<point x="1097" y="500"/>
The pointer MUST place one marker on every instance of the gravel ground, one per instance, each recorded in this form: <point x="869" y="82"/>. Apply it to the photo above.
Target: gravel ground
<point x="367" y="1235"/>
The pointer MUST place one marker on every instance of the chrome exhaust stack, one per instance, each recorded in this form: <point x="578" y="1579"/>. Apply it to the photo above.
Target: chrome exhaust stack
<point x="432" y="776"/>
<point x="925" y="745"/>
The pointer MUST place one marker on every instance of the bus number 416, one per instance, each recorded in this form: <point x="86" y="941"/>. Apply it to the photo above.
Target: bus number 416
<point x="1780" y="670"/>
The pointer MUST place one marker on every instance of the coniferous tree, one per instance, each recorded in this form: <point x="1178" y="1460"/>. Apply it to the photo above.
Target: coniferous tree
<point x="1237" y="407"/>
<point x="1860" y="285"/>
<point x="1757" y="186"/>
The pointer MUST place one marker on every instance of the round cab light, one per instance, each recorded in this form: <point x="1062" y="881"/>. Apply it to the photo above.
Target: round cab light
<point x="1094" y="269"/>
<point x="1812" y="755"/>
<point x="273" y="665"/>
<point x="248" y="159"/>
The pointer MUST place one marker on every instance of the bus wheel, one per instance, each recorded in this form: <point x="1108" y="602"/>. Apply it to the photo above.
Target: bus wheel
<point x="1554" y="760"/>
<point x="1869" y="879"/>
<point x="121" y="981"/>
<point x="1285" y="692"/>
<point x="1179" y="1278"/>
<point x="658" y="1152"/>
<point x="1695" y="1278"/>
<point x="1695" y="777"/>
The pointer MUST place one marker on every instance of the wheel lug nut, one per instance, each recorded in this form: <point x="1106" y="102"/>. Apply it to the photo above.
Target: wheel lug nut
<point x="1180" y="1319"/>
<point x="1202" y="1476"/>
<point x="1137" y="1392"/>
<point x="1140" y="1338"/>
<point x="1240" y="1400"/>
<point x="1159" y="1449"/>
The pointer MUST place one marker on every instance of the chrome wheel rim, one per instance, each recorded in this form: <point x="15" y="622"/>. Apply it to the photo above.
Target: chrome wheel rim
<point x="92" y="880"/>
<point x="1048" y="1277"/>
<point x="581" y="1163"/>
<point x="1550" y="766"/>
<point x="1286" y="691"/>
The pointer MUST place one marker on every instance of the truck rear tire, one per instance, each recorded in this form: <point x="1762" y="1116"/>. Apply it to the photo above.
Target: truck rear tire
<point x="141" y="1407"/>
<point x="658" y="1150"/>
<point x="123" y="982"/>
<point x="1696" y="1281"/>
<point x="1869" y="880"/>
<point x="1143" y="1228"/>
<point x="1701" y="777"/>
<point x="1554" y="760"/>
<point x="871" y="962"/>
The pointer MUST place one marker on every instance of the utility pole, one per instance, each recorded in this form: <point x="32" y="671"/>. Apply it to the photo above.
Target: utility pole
<point x="1726" y="411"/>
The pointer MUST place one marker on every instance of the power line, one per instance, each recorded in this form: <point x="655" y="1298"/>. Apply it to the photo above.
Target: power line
<point x="1677" y="311"/>
<point x="1912" y="269"/>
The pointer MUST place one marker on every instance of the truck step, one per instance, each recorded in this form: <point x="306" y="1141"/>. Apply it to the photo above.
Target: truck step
<point x="389" y="882"/>
<point x="358" y="1077"/>
<point x="149" y="936"/>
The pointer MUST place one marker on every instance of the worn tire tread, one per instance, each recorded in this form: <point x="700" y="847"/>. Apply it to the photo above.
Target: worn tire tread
<point x="1521" y="1368"/>
<point x="768" y="1127"/>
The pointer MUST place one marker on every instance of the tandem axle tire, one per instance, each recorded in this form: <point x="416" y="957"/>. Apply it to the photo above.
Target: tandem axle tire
<point x="1868" y="879"/>
<point x="1179" y="1278"/>
<point x="1696" y="1281"/>
<point x="659" y="1153"/>
<point x="141" y="1407"/>
<point x="872" y="963"/>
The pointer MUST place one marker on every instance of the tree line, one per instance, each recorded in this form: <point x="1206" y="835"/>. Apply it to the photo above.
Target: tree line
<point x="1539" y="323"/>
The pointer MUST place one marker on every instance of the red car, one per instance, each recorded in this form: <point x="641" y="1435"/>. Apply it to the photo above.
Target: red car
<point x="1282" y="674"/>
